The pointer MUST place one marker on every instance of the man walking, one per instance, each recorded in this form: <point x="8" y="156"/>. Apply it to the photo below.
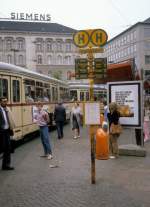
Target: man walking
<point x="6" y="130"/>
<point x="60" y="118"/>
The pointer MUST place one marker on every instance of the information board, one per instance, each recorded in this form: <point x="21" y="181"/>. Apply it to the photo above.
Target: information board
<point x="129" y="98"/>
<point x="81" y="68"/>
<point x="92" y="113"/>
<point x="100" y="67"/>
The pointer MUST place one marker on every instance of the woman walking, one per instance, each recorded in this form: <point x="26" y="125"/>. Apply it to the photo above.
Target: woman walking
<point x="113" y="118"/>
<point x="76" y="120"/>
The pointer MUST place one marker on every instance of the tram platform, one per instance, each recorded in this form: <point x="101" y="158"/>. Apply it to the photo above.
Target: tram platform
<point x="65" y="181"/>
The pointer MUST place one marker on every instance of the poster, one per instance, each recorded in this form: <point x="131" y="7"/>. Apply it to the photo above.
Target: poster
<point x="128" y="97"/>
<point x="92" y="113"/>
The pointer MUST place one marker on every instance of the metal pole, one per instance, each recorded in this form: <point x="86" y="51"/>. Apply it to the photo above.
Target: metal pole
<point x="91" y="82"/>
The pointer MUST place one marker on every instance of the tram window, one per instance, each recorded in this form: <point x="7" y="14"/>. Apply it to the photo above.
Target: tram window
<point x="66" y="94"/>
<point x="29" y="82"/>
<point x="47" y="95"/>
<point x="81" y="96"/>
<point x="87" y="96"/>
<point x="29" y="90"/>
<point x="39" y="84"/>
<point x="3" y="88"/>
<point x="39" y="94"/>
<point x="16" y="91"/>
<point x="54" y="94"/>
<point x="61" y="93"/>
<point x="73" y="95"/>
<point x="46" y="85"/>
<point x="29" y="93"/>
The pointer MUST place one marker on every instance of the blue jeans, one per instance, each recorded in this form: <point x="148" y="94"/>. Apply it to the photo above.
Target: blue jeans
<point x="45" y="139"/>
<point x="59" y="125"/>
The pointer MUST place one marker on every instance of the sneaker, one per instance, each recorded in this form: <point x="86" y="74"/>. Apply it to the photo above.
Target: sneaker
<point x="75" y="137"/>
<point x="78" y="136"/>
<point x="49" y="157"/>
<point x="43" y="155"/>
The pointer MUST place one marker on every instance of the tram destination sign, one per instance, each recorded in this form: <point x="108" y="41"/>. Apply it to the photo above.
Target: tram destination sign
<point x="81" y="68"/>
<point x="100" y="67"/>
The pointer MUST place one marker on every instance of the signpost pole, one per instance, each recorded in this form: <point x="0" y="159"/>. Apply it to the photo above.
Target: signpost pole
<point x="91" y="82"/>
<point x="89" y="38"/>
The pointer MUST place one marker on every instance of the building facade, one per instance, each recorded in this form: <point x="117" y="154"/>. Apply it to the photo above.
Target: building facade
<point x="40" y="46"/>
<point x="133" y="43"/>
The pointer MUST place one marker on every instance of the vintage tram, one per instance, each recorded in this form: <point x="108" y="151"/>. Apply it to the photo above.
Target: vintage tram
<point x="24" y="88"/>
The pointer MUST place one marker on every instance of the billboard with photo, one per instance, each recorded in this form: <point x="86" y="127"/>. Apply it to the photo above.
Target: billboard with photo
<point x="128" y="96"/>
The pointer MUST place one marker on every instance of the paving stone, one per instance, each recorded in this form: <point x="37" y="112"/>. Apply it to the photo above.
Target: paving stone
<point x="122" y="182"/>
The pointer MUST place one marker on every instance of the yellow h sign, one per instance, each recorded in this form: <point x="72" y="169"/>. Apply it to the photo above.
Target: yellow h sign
<point x="96" y="37"/>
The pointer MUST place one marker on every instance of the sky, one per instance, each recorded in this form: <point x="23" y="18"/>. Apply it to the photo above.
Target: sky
<point x="114" y="16"/>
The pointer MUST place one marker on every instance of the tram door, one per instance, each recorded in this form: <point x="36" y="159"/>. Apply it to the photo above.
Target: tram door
<point x="16" y="108"/>
<point x="84" y="96"/>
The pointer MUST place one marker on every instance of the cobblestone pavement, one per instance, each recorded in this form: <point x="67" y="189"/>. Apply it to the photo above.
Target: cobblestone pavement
<point x="122" y="182"/>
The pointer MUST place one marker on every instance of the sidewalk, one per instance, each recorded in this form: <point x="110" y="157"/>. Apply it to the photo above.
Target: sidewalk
<point x="122" y="182"/>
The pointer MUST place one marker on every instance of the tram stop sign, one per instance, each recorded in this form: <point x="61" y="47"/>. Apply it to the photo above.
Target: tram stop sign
<point x="84" y="38"/>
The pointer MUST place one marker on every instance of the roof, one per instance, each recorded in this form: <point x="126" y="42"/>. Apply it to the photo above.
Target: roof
<point x="120" y="72"/>
<point x="145" y="22"/>
<point x="13" y="69"/>
<point x="21" y="26"/>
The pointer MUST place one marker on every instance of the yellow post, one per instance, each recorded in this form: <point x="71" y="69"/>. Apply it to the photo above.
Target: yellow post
<point x="91" y="82"/>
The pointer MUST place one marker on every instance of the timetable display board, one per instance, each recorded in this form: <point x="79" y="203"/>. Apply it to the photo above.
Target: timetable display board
<point x="92" y="113"/>
<point x="81" y="68"/>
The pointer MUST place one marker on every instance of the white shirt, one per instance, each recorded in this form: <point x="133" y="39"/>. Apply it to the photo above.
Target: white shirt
<point x="6" y="126"/>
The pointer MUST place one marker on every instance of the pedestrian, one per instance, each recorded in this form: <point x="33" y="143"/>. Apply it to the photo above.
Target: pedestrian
<point x="60" y="118"/>
<point x="76" y="118"/>
<point x="42" y="119"/>
<point x="105" y="111"/>
<point x="6" y="130"/>
<point x="146" y="125"/>
<point x="113" y="119"/>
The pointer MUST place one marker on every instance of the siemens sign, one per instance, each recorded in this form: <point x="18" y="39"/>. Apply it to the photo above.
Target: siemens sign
<point x="32" y="17"/>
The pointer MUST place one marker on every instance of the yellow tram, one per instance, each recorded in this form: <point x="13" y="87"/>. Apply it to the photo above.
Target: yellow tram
<point x="80" y="91"/>
<point x="24" y="88"/>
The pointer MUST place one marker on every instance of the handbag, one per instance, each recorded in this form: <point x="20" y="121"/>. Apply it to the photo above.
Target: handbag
<point x="115" y="129"/>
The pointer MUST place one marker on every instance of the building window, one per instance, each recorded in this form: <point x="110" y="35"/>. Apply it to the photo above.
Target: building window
<point x="128" y="38"/>
<point x="49" y="60"/>
<point x="59" y="46"/>
<point x="20" y="45"/>
<point x="134" y="34"/>
<point x="59" y="59"/>
<point x="49" y="46"/>
<point x="39" y="59"/>
<point x="68" y="60"/>
<point x="134" y="48"/>
<point x="146" y="32"/>
<point x="8" y="44"/>
<point x="39" y="46"/>
<point x="147" y="45"/>
<point x="20" y="60"/>
<point x="131" y="36"/>
<point x="147" y="59"/>
<point x="1" y="44"/>
<point x="9" y="58"/>
<point x="68" y="47"/>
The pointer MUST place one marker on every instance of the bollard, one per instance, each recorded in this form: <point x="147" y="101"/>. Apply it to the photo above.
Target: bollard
<point x="102" y="145"/>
